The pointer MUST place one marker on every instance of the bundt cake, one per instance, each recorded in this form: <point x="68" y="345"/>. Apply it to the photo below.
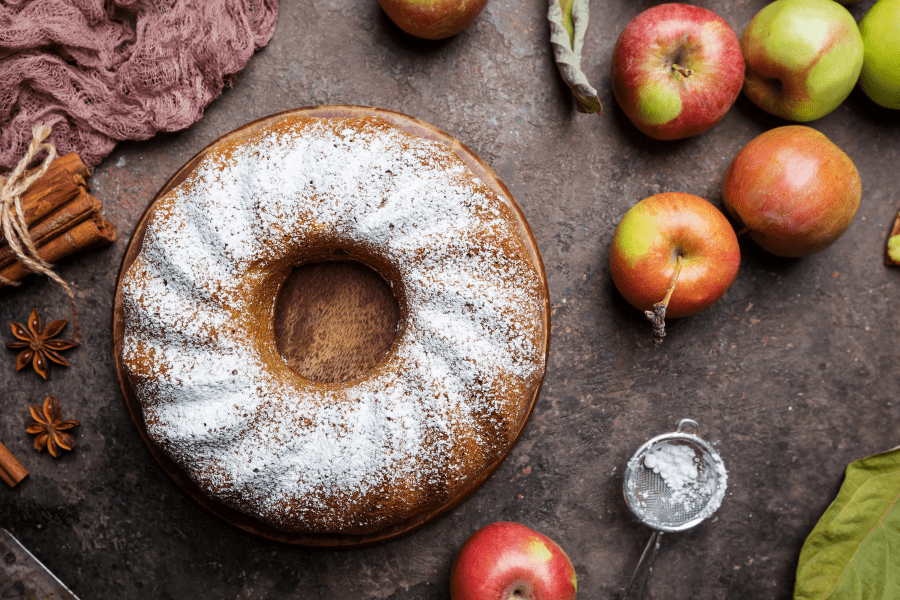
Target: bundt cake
<point x="446" y="401"/>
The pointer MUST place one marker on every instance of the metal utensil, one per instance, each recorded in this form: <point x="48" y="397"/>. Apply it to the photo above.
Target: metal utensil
<point x="672" y="483"/>
<point x="24" y="576"/>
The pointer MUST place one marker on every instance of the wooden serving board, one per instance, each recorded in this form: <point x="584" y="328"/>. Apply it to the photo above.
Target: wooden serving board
<point x="333" y="321"/>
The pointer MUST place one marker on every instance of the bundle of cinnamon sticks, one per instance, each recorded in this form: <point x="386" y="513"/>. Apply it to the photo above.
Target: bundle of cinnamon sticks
<point x="62" y="217"/>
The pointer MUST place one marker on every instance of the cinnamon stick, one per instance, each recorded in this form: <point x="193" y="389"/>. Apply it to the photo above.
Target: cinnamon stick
<point x="83" y="236"/>
<point x="82" y="207"/>
<point x="11" y="470"/>
<point x="64" y="179"/>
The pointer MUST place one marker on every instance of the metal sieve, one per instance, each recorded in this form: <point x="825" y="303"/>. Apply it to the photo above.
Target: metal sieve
<point x="667" y="508"/>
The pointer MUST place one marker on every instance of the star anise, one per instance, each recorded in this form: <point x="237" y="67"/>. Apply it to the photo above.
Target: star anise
<point x="49" y="427"/>
<point x="38" y="345"/>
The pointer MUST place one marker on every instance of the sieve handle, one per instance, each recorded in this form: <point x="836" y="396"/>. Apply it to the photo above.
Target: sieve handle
<point x="651" y="548"/>
<point x="694" y="425"/>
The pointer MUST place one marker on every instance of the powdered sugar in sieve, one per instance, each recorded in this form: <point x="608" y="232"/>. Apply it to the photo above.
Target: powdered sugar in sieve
<point x="672" y="483"/>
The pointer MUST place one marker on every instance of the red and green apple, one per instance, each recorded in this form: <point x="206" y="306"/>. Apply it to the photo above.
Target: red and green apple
<point x="509" y="561"/>
<point x="803" y="58"/>
<point x="793" y="190"/>
<point x="674" y="237"/>
<point x="432" y="19"/>
<point x="676" y="70"/>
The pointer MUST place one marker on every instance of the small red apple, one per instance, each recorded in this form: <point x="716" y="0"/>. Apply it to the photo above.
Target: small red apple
<point x="677" y="69"/>
<point x="659" y="232"/>
<point x="432" y="19"/>
<point x="508" y="561"/>
<point x="793" y="189"/>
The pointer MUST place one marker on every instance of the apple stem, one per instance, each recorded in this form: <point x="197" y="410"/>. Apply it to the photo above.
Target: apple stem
<point x="684" y="71"/>
<point x="742" y="231"/>
<point x="657" y="316"/>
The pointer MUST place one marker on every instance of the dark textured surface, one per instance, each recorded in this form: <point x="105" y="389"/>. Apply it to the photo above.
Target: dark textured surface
<point x="792" y="375"/>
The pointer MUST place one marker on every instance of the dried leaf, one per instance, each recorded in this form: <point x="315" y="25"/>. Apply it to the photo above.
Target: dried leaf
<point x="852" y="553"/>
<point x="568" y="24"/>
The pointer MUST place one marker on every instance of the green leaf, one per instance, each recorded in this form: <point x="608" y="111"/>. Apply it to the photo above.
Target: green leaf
<point x="853" y="553"/>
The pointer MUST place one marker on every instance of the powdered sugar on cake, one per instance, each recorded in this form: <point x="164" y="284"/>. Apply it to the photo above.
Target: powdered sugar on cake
<point x="359" y="455"/>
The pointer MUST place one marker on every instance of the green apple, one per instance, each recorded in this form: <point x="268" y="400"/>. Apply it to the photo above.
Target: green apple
<point x="803" y="58"/>
<point x="880" y="77"/>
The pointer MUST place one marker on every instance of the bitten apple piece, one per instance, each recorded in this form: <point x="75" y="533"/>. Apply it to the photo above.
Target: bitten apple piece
<point x="892" y="247"/>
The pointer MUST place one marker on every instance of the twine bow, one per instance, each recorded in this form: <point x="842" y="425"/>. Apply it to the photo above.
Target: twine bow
<point x="12" y="219"/>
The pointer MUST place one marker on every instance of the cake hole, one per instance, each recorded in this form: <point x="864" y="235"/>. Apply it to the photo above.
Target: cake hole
<point x="335" y="320"/>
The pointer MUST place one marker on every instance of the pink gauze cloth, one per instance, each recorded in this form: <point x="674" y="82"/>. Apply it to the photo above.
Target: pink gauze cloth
<point x="102" y="71"/>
